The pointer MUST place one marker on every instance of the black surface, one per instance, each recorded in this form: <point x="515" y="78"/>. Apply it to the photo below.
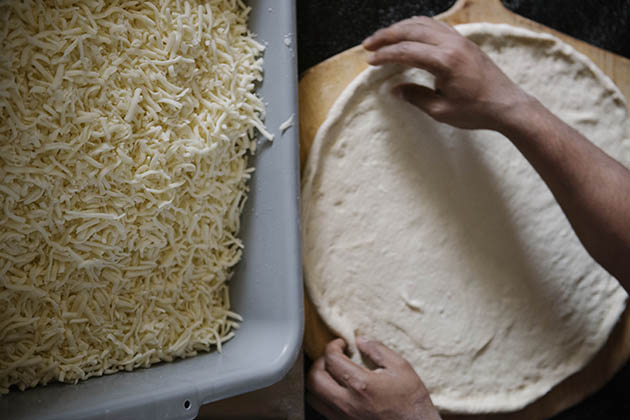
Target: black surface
<point x="327" y="27"/>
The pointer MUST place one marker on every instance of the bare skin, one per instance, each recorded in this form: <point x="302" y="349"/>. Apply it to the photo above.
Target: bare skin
<point x="471" y="92"/>
<point x="341" y="389"/>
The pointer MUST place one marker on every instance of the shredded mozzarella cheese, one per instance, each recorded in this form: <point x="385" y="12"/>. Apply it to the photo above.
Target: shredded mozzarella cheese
<point x="124" y="133"/>
<point x="288" y="123"/>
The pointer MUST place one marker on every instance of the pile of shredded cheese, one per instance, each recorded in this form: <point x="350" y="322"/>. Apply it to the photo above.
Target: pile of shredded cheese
<point x="124" y="133"/>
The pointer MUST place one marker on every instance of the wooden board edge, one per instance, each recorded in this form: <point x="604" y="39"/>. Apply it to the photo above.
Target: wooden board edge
<point x="314" y="108"/>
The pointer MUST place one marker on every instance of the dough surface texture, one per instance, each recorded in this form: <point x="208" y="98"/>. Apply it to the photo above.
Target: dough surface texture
<point x="446" y="245"/>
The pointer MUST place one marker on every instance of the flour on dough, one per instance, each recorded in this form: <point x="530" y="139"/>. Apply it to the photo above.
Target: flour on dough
<point x="446" y="244"/>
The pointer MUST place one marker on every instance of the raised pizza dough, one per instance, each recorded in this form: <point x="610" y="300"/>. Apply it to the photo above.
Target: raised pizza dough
<point x="446" y="245"/>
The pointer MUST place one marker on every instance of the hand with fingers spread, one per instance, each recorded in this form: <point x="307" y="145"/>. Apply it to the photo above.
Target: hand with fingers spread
<point x="341" y="389"/>
<point x="470" y="90"/>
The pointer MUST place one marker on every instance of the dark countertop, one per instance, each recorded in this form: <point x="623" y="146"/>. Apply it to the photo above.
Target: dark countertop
<point x="327" y="27"/>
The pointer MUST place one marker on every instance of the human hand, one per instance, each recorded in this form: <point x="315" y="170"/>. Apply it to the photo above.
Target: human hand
<point x="341" y="389"/>
<point x="470" y="90"/>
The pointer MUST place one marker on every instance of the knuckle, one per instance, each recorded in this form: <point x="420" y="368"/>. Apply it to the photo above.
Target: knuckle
<point x="450" y="57"/>
<point x="391" y="35"/>
<point x="399" y="31"/>
<point x="333" y="362"/>
<point x="360" y="385"/>
<point x="329" y="360"/>
<point x="418" y="32"/>
<point x="461" y="44"/>
<point x="382" y="34"/>
<point x="373" y="348"/>
<point x="405" y="50"/>
<point x="330" y="348"/>
<point x="438" y="111"/>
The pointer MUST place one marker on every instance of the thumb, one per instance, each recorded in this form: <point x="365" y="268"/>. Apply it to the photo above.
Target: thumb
<point x="379" y="353"/>
<point x="423" y="97"/>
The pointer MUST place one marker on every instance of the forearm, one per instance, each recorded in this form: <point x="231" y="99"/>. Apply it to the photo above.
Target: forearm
<point x="472" y="92"/>
<point x="592" y="188"/>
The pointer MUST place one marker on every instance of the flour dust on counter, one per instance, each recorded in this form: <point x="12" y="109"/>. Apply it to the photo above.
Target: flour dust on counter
<point x="125" y="128"/>
<point x="446" y="245"/>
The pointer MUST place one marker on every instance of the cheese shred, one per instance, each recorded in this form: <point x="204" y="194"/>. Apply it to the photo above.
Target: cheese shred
<point x="125" y="128"/>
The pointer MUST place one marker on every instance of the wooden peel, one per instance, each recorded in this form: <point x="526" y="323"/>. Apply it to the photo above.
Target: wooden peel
<point x="319" y="88"/>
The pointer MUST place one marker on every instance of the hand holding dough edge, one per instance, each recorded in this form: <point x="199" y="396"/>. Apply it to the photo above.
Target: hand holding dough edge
<point x="341" y="389"/>
<point x="470" y="90"/>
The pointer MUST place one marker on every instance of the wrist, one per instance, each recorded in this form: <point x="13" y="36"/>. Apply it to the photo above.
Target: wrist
<point x="424" y="409"/>
<point x="519" y="115"/>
